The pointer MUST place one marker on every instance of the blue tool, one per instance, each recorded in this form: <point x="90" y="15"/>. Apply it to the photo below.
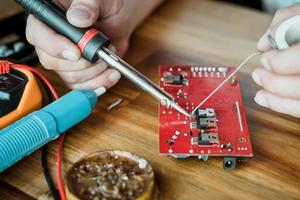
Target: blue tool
<point x="38" y="128"/>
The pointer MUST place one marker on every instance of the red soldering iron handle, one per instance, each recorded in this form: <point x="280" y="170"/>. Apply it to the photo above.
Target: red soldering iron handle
<point x="88" y="40"/>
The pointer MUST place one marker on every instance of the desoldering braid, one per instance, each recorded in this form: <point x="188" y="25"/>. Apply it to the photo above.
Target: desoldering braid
<point x="93" y="45"/>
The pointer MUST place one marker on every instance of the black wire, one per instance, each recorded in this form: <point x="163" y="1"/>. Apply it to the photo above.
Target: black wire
<point x="47" y="174"/>
<point x="45" y="153"/>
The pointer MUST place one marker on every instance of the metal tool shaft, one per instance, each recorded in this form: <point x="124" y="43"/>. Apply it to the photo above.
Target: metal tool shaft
<point x="136" y="77"/>
<point x="93" y="45"/>
<point x="139" y="79"/>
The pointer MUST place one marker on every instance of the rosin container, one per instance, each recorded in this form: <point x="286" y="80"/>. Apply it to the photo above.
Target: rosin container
<point x="111" y="175"/>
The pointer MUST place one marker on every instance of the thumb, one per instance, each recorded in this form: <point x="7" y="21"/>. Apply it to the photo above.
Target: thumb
<point x="83" y="13"/>
<point x="279" y="17"/>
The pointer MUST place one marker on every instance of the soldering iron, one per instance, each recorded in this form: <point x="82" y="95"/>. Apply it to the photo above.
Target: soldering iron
<point x="93" y="45"/>
<point x="38" y="128"/>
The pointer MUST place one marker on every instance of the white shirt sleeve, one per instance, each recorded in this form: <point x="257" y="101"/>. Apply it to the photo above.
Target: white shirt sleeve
<point x="273" y="5"/>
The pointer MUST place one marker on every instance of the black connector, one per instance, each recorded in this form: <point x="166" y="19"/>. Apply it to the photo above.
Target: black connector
<point x="205" y="123"/>
<point x="229" y="163"/>
<point x="205" y="112"/>
<point x="177" y="79"/>
<point x="205" y="138"/>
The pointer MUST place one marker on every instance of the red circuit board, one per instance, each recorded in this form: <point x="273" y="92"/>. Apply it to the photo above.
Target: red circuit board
<point x="178" y="134"/>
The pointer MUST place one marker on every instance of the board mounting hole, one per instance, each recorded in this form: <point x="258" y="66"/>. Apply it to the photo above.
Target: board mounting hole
<point x="242" y="140"/>
<point x="170" y="142"/>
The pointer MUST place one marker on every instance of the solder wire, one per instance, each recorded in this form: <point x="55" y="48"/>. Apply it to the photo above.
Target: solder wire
<point x="227" y="79"/>
<point x="114" y="104"/>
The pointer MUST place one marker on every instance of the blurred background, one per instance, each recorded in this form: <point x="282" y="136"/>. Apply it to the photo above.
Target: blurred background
<point x="265" y="5"/>
<point x="13" y="45"/>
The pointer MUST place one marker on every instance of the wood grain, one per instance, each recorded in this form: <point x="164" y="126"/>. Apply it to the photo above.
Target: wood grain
<point x="183" y="32"/>
<point x="8" y="8"/>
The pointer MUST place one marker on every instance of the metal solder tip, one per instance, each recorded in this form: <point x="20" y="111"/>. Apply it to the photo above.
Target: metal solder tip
<point x="100" y="91"/>
<point x="180" y="109"/>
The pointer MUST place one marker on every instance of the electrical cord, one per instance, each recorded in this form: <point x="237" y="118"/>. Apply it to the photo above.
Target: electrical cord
<point x="59" y="167"/>
<point x="47" y="174"/>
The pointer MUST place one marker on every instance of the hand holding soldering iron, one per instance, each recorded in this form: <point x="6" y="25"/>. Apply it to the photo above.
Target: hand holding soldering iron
<point x="279" y="76"/>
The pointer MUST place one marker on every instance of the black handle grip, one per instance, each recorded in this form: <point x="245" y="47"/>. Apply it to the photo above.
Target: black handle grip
<point x="55" y="17"/>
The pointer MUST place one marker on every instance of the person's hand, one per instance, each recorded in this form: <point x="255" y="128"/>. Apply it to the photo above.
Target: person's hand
<point x="280" y="75"/>
<point x="57" y="53"/>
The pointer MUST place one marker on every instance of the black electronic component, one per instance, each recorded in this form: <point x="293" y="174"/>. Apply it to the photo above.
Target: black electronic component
<point x="205" y="118"/>
<point x="229" y="163"/>
<point x="12" y="86"/>
<point x="205" y="112"/>
<point x="205" y="123"/>
<point x="177" y="79"/>
<point x="205" y="138"/>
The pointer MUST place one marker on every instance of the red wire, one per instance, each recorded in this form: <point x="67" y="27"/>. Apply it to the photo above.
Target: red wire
<point x="4" y="68"/>
<point x="41" y="76"/>
<point x="59" y="166"/>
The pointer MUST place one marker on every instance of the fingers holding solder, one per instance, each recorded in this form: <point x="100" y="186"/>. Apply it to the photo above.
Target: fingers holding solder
<point x="280" y="92"/>
<point x="281" y="85"/>
<point x="280" y="16"/>
<point x="280" y="77"/>
<point x="284" y="62"/>
<point x="278" y="103"/>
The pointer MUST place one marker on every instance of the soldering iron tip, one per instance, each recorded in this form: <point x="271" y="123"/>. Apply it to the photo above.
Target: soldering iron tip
<point x="180" y="109"/>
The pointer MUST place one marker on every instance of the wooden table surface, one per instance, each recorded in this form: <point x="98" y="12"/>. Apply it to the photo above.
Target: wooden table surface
<point x="181" y="32"/>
